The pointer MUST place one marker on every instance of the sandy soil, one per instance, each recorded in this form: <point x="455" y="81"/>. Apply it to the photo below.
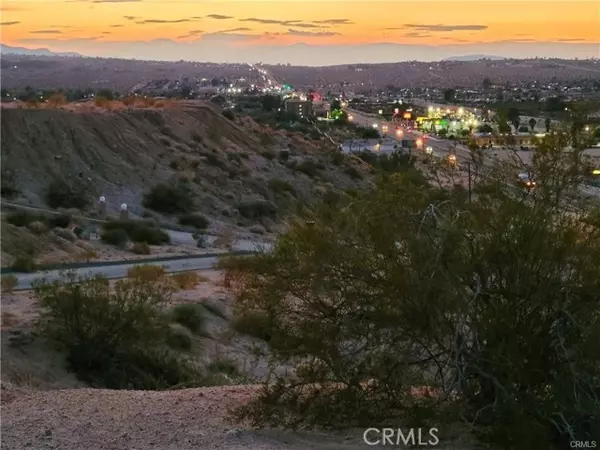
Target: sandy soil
<point x="89" y="419"/>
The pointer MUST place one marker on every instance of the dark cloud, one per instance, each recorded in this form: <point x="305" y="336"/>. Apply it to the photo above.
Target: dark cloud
<point x="116" y="26"/>
<point x="162" y="21"/>
<point x="446" y="27"/>
<point x="334" y="21"/>
<point x="570" y="40"/>
<point x="311" y="33"/>
<point x="232" y="30"/>
<point x="8" y="24"/>
<point x="130" y="17"/>
<point x="306" y="25"/>
<point x="416" y="34"/>
<point x="46" y="32"/>
<point x="219" y="17"/>
<point x="286" y="23"/>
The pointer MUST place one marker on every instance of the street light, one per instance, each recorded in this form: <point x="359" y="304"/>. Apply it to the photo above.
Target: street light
<point x="351" y="117"/>
<point x="380" y="111"/>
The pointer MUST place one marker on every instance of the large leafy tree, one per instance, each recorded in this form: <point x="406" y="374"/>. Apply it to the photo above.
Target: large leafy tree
<point x="490" y="306"/>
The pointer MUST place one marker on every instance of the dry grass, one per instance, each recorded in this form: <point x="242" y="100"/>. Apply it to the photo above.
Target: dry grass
<point x="188" y="280"/>
<point x="147" y="273"/>
<point x="9" y="282"/>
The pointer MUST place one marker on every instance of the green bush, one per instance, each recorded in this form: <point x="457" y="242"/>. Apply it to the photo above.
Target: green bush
<point x="224" y="366"/>
<point x="308" y="167"/>
<point x="228" y="114"/>
<point x="113" y="338"/>
<point x="194" y="220"/>
<point x="21" y="218"/>
<point x="60" y="221"/>
<point x="257" y="209"/>
<point x="62" y="194"/>
<point x="253" y="323"/>
<point x="8" y="183"/>
<point x="268" y="154"/>
<point x="139" y="231"/>
<point x="353" y="172"/>
<point x="190" y="316"/>
<point x="115" y="236"/>
<point x="280" y="186"/>
<point x="171" y="198"/>
<point x="179" y="338"/>
<point x="24" y="264"/>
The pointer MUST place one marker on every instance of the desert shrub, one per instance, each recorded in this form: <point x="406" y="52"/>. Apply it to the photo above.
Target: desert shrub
<point x="353" y="172"/>
<point x="65" y="233"/>
<point x="113" y="338"/>
<point x="268" y="154"/>
<point x="24" y="264"/>
<point x="194" y="220"/>
<point x="228" y="114"/>
<point x="8" y="283"/>
<point x="215" y="160"/>
<point x="284" y="155"/>
<point x="61" y="194"/>
<point x="8" y="183"/>
<point x="489" y="304"/>
<point x="235" y="157"/>
<point x="116" y="236"/>
<point x="60" y="221"/>
<point x="337" y="157"/>
<point x="139" y="231"/>
<point x="187" y="280"/>
<point x="37" y="227"/>
<point x="253" y="323"/>
<point x="224" y="366"/>
<point x="257" y="209"/>
<point x="140" y="248"/>
<point x="280" y="186"/>
<point x="307" y="167"/>
<point x="190" y="316"/>
<point x="179" y="338"/>
<point x="21" y="218"/>
<point x="147" y="273"/>
<point x="171" y="198"/>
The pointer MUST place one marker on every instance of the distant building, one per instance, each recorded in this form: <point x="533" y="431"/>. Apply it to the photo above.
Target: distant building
<point x="300" y="108"/>
<point x="369" y="145"/>
<point x="519" y="139"/>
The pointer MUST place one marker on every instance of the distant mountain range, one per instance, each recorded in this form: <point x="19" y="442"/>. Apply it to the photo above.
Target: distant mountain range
<point x="8" y="50"/>
<point x="474" y="58"/>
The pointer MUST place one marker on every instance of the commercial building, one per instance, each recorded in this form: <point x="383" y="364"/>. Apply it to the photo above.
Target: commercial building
<point x="301" y="108"/>
<point x="505" y="140"/>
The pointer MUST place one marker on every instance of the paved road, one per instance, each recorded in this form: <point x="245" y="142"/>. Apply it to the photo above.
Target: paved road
<point x="114" y="272"/>
<point x="440" y="147"/>
<point x="120" y="271"/>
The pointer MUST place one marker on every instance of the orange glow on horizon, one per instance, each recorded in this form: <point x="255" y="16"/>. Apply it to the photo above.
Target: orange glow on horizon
<point x="41" y="22"/>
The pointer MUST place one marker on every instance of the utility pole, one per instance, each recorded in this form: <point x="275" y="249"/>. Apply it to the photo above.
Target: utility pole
<point x="469" y="172"/>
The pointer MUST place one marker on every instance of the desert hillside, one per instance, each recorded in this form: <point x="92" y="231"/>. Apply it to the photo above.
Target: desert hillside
<point x="121" y="154"/>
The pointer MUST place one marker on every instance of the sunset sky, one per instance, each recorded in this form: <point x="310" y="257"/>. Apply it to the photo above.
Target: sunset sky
<point x="304" y="32"/>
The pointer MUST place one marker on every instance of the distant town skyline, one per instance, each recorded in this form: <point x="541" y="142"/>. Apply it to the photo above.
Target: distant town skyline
<point x="304" y="32"/>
